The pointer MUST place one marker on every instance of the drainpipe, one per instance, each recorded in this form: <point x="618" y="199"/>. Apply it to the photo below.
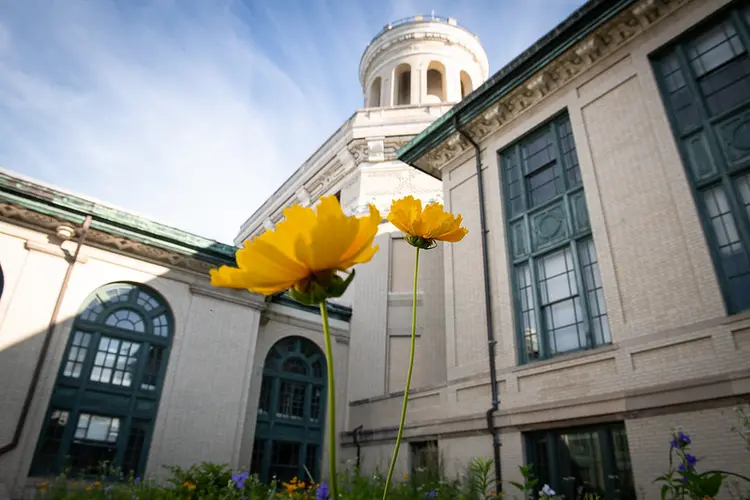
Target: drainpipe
<point x="355" y="435"/>
<point x="487" y="310"/>
<point x="47" y="340"/>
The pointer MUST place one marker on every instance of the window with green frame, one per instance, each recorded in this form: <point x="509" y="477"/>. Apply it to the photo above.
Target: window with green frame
<point x="580" y="460"/>
<point x="704" y="80"/>
<point x="558" y="293"/>
<point x="107" y="390"/>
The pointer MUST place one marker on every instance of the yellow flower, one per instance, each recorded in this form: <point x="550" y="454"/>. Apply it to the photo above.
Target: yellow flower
<point x="424" y="227"/>
<point x="97" y="483"/>
<point x="304" y="253"/>
<point x="189" y="485"/>
<point x="406" y="476"/>
<point x="88" y="488"/>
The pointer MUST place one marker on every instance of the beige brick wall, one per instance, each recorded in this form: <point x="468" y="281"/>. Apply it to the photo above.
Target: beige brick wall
<point x="714" y="443"/>
<point x="215" y="332"/>
<point x="665" y="310"/>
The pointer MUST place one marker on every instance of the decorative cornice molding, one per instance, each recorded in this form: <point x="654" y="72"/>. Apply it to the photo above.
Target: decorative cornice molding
<point x="420" y="36"/>
<point x="602" y="42"/>
<point x="15" y="214"/>
<point x="239" y="297"/>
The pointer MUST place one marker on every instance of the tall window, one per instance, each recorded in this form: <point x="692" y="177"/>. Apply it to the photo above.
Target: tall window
<point x="583" y="460"/>
<point x="402" y="79"/>
<point x="375" y="93"/>
<point x="558" y="293"/>
<point x="705" y="85"/>
<point x="291" y="412"/>
<point x="105" y="399"/>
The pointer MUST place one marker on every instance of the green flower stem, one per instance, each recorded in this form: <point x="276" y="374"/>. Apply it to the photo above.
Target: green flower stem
<point x="331" y="403"/>
<point x="408" y="377"/>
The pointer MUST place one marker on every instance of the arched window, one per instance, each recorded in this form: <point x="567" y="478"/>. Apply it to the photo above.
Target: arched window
<point x="466" y="86"/>
<point x="107" y="391"/>
<point x="435" y="82"/>
<point x="375" y="93"/>
<point x="291" y="411"/>
<point x="402" y="78"/>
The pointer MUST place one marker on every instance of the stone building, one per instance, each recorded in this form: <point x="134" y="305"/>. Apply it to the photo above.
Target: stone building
<point x="599" y="299"/>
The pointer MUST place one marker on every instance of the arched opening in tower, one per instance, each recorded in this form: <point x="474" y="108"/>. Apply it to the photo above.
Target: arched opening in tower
<point x="435" y="82"/>
<point x="402" y="77"/>
<point x="466" y="86"/>
<point x="375" y="93"/>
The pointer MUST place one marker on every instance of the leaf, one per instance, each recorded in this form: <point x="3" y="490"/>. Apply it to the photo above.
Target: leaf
<point x="711" y="484"/>
<point x="664" y="490"/>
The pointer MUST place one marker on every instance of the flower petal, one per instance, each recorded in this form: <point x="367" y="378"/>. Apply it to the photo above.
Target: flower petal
<point x="331" y="235"/>
<point x="404" y="213"/>
<point x="361" y="250"/>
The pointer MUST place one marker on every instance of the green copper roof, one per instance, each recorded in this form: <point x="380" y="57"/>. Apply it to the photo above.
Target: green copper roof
<point x="68" y="207"/>
<point x="577" y="26"/>
<point x="72" y="208"/>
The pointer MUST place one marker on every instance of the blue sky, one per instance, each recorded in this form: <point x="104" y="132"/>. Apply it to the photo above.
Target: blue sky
<point x="192" y="112"/>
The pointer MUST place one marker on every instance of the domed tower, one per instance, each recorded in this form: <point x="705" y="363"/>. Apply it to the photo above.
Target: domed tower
<point x="421" y="60"/>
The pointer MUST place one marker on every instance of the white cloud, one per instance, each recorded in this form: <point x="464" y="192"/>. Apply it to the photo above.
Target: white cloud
<point x="194" y="111"/>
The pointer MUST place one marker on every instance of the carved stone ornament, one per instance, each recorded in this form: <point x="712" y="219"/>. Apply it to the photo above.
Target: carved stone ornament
<point x="106" y="241"/>
<point x="606" y="40"/>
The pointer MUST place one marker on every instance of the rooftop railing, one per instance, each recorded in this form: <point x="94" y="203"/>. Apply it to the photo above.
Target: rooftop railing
<point x="431" y="18"/>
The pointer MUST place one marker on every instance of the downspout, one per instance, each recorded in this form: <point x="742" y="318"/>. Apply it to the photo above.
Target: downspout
<point x="47" y="341"/>
<point x="355" y="435"/>
<point x="487" y="311"/>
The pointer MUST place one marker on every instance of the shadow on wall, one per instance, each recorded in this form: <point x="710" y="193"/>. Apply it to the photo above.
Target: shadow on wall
<point x="86" y="387"/>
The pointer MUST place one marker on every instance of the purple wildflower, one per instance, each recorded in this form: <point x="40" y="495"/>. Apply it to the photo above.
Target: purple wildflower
<point x="431" y="494"/>
<point x="322" y="493"/>
<point x="239" y="479"/>
<point x="681" y="440"/>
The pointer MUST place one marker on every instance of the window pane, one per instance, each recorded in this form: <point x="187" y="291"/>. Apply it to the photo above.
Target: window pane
<point x="115" y="362"/>
<point x="291" y="400"/>
<point x="594" y="292"/>
<point x="77" y="354"/>
<point x="564" y="325"/>
<point x="146" y="301"/>
<point x="733" y="255"/>
<point x="714" y="48"/>
<point x="625" y="485"/>
<point x="152" y="369"/>
<point x="97" y="428"/>
<point x="528" y="315"/>
<point x="569" y="154"/>
<point x="92" y="310"/>
<point x="726" y="87"/>
<point x="161" y="326"/>
<point x="556" y="276"/>
<point x="680" y="100"/>
<point x="311" y="460"/>
<point x="256" y="462"/>
<point x="126" y="319"/>
<point x="134" y="447"/>
<point x="545" y="185"/>
<point x="537" y="151"/>
<point x="586" y="461"/>
<point x="514" y="181"/>
<point x="315" y="403"/>
<point x="295" y="365"/>
<point x="285" y="460"/>
<point x="45" y="461"/>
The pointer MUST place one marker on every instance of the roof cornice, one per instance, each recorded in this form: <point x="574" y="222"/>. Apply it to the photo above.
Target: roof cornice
<point x="591" y="33"/>
<point x="43" y="206"/>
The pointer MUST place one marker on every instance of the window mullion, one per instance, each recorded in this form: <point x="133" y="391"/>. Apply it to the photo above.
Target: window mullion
<point x="541" y="330"/>
<point x="690" y="81"/>
<point x="559" y="158"/>
<point x="742" y="29"/>
<point x="582" y="294"/>
<point x="522" y="180"/>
